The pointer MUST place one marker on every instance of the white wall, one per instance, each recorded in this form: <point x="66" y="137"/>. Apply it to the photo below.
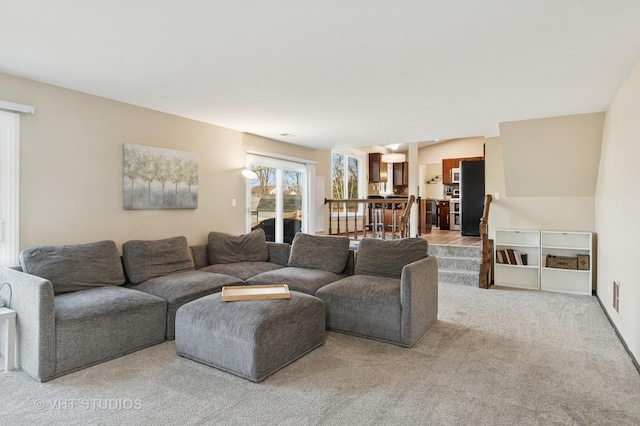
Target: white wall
<point x="71" y="168"/>
<point x="617" y="207"/>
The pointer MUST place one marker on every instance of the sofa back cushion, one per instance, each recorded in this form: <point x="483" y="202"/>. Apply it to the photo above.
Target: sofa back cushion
<point x="227" y="248"/>
<point x="75" y="267"/>
<point x="386" y="258"/>
<point x="146" y="259"/>
<point x="325" y="252"/>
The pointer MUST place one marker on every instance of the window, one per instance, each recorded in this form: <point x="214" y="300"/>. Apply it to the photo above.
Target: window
<point x="346" y="179"/>
<point x="279" y="197"/>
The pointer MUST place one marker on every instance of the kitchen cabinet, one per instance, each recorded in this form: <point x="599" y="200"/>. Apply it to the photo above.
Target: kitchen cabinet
<point x="377" y="169"/>
<point x="447" y="165"/>
<point x="453" y="163"/>
<point x="425" y="215"/>
<point x="401" y="174"/>
<point x="443" y="214"/>
<point x="385" y="214"/>
<point x="391" y="218"/>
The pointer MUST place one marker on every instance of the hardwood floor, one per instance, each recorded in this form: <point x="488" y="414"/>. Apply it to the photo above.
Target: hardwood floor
<point x="437" y="237"/>
<point x="450" y="238"/>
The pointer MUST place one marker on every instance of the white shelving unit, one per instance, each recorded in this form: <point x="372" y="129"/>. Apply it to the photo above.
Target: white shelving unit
<point x="567" y="244"/>
<point x="519" y="276"/>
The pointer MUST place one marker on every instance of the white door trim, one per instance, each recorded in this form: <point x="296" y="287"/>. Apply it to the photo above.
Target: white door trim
<point x="9" y="188"/>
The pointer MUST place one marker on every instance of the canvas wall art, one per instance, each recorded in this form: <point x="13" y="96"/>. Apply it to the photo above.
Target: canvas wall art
<point x="159" y="178"/>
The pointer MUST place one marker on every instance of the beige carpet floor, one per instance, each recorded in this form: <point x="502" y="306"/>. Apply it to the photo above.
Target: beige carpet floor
<point x="495" y="357"/>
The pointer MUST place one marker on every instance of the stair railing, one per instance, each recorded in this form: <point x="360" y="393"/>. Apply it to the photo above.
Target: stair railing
<point x="362" y="218"/>
<point x="486" y="267"/>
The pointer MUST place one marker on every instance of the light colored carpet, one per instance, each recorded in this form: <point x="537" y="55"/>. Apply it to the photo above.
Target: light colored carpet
<point x="495" y="357"/>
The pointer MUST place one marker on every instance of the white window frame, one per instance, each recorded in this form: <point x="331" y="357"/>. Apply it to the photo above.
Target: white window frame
<point x="279" y="162"/>
<point x="361" y="177"/>
<point x="9" y="186"/>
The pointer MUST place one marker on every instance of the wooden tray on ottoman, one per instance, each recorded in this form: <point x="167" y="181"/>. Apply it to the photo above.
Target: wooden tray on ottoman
<point x="255" y="292"/>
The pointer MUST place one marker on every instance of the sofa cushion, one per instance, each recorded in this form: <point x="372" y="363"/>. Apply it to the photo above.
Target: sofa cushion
<point x="329" y="253"/>
<point x="227" y="248"/>
<point x="178" y="289"/>
<point x="304" y="280"/>
<point x="102" y="323"/>
<point x="148" y="259"/>
<point x="242" y="270"/>
<point x="75" y="267"/>
<point x="386" y="258"/>
<point x="364" y="306"/>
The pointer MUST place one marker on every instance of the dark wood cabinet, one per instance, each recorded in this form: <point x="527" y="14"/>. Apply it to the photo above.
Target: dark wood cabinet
<point x="376" y="167"/>
<point x="401" y="174"/>
<point x="447" y="165"/>
<point x="389" y="220"/>
<point x="453" y="163"/>
<point x="425" y="215"/>
<point x="443" y="214"/>
<point x="378" y="170"/>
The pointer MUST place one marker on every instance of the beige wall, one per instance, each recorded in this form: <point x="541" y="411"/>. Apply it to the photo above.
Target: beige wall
<point x="431" y="190"/>
<point x="71" y="168"/>
<point x="454" y="148"/>
<point x="617" y="204"/>
<point x="545" y="171"/>
<point x="552" y="157"/>
<point x="547" y="213"/>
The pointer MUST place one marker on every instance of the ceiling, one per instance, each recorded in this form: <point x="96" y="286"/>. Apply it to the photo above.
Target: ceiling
<point x="334" y="73"/>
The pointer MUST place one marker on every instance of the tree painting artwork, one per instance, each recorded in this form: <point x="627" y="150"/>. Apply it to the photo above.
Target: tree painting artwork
<point x="158" y="178"/>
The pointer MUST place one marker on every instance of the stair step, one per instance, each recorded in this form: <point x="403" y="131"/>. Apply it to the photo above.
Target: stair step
<point x="454" y="251"/>
<point x="457" y="264"/>
<point x="458" y="277"/>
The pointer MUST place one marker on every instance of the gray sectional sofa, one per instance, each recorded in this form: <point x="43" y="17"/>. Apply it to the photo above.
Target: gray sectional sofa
<point x="241" y="256"/>
<point x="82" y="304"/>
<point x="80" y="314"/>
<point x="313" y="262"/>
<point x="165" y="268"/>
<point x="391" y="297"/>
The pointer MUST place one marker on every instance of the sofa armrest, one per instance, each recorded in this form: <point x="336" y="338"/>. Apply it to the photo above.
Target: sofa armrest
<point x="419" y="298"/>
<point x="278" y="253"/>
<point x="32" y="299"/>
<point x="200" y="254"/>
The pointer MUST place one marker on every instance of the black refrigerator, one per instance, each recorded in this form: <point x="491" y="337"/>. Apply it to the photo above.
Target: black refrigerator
<point x="471" y="196"/>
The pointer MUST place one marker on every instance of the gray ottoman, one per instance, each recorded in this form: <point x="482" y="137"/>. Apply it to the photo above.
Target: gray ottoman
<point x="251" y="339"/>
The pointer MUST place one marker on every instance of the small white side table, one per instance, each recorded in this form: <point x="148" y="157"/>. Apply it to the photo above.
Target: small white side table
<point x="9" y="316"/>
